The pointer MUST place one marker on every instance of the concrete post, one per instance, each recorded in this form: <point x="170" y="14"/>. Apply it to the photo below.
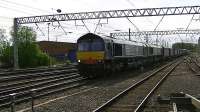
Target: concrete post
<point x="33" y="92"/>
<point x="12" y="101"/>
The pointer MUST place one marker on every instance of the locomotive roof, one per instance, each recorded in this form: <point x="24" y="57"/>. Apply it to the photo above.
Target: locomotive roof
<point x="120" y="41"/>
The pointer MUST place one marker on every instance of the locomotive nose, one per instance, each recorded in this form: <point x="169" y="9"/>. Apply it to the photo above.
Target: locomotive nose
<point x="90" y="57"/>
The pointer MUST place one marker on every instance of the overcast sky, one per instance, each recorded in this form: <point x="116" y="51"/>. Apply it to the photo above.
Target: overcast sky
<point x="20" y="8"/>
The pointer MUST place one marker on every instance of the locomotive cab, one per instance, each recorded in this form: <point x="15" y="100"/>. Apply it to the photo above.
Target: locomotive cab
<point x="90" y="49"/>
<point x="91" y="53"/>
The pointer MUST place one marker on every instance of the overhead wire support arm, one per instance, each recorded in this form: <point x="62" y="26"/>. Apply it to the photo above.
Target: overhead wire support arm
<point x="85" y="26"/>
<point x="159" y="23"/>
<point x="170" y="32"/>
<point x="39" y="29"/>
<point x="112" y="14"/>
<point x="97" y="25"/>
<point x="190" y="22"/>
<point x="133" y="24"/>
<point x="62" y="28"/>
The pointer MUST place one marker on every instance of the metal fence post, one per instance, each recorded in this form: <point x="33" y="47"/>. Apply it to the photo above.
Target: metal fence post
<point x="12" y="100"/>
<point x="33" y="92"/>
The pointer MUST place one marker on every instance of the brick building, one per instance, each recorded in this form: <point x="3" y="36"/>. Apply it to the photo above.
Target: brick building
<point x="59" y="50"/>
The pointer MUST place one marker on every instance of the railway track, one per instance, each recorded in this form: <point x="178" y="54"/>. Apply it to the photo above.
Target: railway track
<point x="34" y="75"/>
<point x="136" y="96"/>
<point x="24" y="96"/>
<point x="31" y="81"/>
<point x="194" y="60"/>
<point x="43" y="84"/>
<point x="33" y="70"/>
<point x="191" y="64"/>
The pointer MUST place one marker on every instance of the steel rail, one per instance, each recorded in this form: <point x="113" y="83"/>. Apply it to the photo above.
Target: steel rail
<point x="13" y="85"/>
<point x="195" y="62"/>
<point x="31" y="75"/>
<point x="99" y="109"/>
<point x="142" y="104"/>
<point x="187" y="61"/>
<point x="22" y="88"/>
<point x="190" y="67"/>
<point x="25" y="96"/>
<point x="6" y="73"/>
<point x="21" y="100"/>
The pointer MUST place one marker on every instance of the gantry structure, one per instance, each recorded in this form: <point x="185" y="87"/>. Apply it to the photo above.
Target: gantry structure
<point x="169" y="32"/>
<point x="164" y="11"/>
<point x="111" y="14"/>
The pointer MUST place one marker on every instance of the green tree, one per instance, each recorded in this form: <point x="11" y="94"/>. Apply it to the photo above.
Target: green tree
<point x="5" y="49"/>
<point x="28" y="51"/>
<point x="189" y="46"/>
<point x="2" y="39"/>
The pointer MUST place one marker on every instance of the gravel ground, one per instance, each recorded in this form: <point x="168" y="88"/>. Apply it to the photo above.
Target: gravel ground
<point x="133" y="98"/>
<point x="87" y="98"/>
<point x="181" y="80"/>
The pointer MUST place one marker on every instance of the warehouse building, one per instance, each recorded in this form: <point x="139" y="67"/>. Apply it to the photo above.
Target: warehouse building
<point x="61" y="51"/>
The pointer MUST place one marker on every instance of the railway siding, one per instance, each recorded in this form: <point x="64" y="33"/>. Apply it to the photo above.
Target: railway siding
<point x="180" y="80"/>
<point x="135" y="96"/>
<point x="90" y="100"/>
<point x="94" y="93"/>
<point x="45" y="82"/>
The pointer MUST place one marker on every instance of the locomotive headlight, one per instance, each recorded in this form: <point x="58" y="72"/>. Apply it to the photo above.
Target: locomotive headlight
<point x="79" y="61"/>
<point x="100" y="61"/>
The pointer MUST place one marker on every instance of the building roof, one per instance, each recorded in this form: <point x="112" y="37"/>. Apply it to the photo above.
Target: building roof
<point x="52" y="47"/>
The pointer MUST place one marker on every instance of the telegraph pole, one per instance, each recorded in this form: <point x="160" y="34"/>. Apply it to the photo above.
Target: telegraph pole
<point x="15" y="44"/>
<point x="48" y="30"/>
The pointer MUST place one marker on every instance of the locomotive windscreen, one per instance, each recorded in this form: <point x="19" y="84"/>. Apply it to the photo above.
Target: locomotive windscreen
<point x="95" y="44"/>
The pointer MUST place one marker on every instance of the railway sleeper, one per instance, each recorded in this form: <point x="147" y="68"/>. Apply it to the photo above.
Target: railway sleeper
<point x="42" y="91"/>
<point x="39" y="95"/>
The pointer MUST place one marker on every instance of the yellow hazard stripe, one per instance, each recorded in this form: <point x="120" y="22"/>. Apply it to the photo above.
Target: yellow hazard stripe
<point x="98" y="55"/>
